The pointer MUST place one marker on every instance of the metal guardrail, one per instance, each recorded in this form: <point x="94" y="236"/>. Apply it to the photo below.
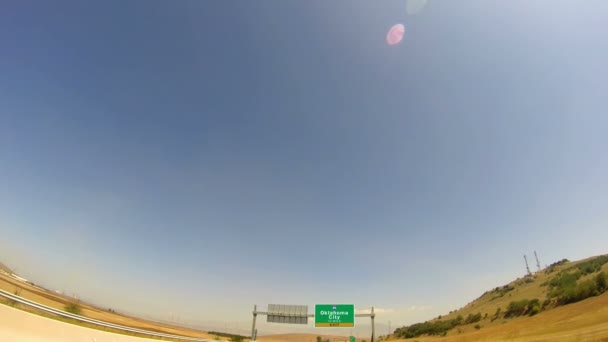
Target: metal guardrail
<point x="94" y="321"/>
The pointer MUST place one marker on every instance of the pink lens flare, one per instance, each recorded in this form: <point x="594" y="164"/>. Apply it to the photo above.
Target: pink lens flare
<point x="395" y="34"/>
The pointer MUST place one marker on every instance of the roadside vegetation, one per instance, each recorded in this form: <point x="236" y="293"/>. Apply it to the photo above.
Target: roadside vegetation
<point x="231" y="337"/>
<point x="84" y="324"/>
<point x="565" y="285"/>
<point x="73" y="308"/>
<point x="12" y="302"/>
<point x="59" y="302"/>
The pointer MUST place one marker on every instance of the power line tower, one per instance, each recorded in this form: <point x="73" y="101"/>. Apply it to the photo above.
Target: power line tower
<point x="527" y="267"/>
<point x="537" y="262"/>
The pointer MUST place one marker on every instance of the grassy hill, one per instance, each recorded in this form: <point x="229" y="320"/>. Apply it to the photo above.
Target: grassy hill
<point x="557" y="286"/>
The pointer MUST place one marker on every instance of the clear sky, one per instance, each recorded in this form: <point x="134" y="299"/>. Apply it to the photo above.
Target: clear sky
<point x="193" y="158"/>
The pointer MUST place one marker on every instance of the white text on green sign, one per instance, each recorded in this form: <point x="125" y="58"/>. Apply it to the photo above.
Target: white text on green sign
<point x="334" y="315"/>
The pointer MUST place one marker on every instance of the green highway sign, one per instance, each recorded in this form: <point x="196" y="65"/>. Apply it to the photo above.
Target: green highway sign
<point x="334" y="315"/>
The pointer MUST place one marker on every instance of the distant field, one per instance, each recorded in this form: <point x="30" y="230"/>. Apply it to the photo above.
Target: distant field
<point x="57" y="301"/>
<point x="17" y="325"/>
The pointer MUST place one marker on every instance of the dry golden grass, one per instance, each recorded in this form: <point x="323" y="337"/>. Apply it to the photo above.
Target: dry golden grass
<point x="489" y="302"/>
<point x="57" y="301"/>
<point x="583" y="321"/>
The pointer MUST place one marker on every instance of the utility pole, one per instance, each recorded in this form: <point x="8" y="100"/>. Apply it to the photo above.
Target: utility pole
<point x="537" y="262"/>
<point x="389" y="327"/>
<point x="527" y="267"/>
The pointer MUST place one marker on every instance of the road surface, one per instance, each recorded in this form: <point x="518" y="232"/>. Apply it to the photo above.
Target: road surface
<point x="17" y="325"/>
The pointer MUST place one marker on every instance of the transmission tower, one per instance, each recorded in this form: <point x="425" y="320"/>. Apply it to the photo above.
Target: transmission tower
<point x="537" y="262"/>
<point x="527" y="267"/>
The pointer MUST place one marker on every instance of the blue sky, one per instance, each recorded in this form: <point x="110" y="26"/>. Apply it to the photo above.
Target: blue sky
<point x="229" y="153"/>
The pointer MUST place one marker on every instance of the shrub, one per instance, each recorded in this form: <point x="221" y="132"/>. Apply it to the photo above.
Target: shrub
<point x="232" y="337"/>
<point x="496" y="315"/>
<point x="12" y="302"/>
<point x="437" y="328"/>
<point x="501" y="291"/>
<point x="534" y="310"/>
<point x="534" y="302"/>
<point x="554" y="265"/>
<point x="564" y="280"/>
<point x="477" y="326"/>
<point x="521" y="307"/>
<point x="593" y="265"/>
<point x="582" y="291"/>
<point x="601" y="282"/>
<point x="73" y="308"/>
<point x="517" y="308"/>
<point x="473" y="318"/>
<point x="566" y="289"/>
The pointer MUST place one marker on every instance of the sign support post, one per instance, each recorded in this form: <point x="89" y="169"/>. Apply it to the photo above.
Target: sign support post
<point x="373" y="325"/>
<point x="255" y="314"/>
<point x="294" y="314"/>
<point x="372" y="315"/>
